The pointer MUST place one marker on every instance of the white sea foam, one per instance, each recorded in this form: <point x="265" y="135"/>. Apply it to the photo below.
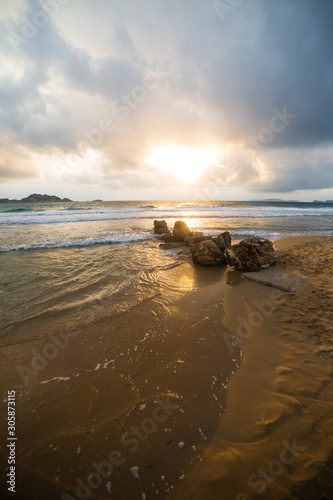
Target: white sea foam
<point x="77" y="243"/>
<point x="108" y="362"/>
<point x="58" y="379"/>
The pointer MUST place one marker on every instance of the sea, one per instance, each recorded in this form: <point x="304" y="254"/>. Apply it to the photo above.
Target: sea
<point x="56" y="256"/>
<point x="62" y="225"/>
<point x="116" y="344"/>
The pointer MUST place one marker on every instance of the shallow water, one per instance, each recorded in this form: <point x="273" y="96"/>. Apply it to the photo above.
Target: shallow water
<point x="80" y="283"/>
<point x="149" y="381"/>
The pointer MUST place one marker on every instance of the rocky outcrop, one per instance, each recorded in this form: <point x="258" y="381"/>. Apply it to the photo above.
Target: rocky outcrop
<point x="161" y="227"/>
<point x="181" y="231"/>
<point x="43" y="198"/>
<point x="207" y="253"/>
<point x="251" y="254"/>
<point x="206" y="250"/>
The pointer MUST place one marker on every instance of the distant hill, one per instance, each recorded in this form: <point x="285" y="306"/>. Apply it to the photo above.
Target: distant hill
<point x="37" y="198"/>
<point x="273" y="199"/>
<point x="278" y="200"/>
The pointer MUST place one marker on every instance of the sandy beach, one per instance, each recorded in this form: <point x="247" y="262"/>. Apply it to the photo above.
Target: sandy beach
<point x="213" y="386"/>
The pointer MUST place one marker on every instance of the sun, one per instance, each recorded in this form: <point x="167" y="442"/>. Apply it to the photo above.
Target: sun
<point x="184" y="162"/>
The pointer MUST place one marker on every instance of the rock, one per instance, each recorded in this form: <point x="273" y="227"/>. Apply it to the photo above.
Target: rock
<point x="161" y="227"/>
<point x="196" y="237"/>
<point x="168" y="238"/>
<point x="223" y="242"/>
<point x="251" y="254"/>
<point x="227" y="239"/>
<point x="207" y="253"/>
<point x="219" y="241"/>
<point x="170" y="246"/>
<point x="181" y="231"/>
<point x="276" y="277"/>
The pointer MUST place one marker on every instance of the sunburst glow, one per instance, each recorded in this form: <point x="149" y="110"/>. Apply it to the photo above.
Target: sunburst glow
<point x="184" y="162"/>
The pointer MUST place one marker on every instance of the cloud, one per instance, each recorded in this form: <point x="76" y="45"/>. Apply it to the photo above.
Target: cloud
<point x="224" y="80"/>
<point x="17" y="163"/>
<point x="8" y="171"/>
<point x="300" y="169"/>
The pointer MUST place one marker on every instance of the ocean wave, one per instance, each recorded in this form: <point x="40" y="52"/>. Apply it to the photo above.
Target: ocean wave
<point x="237" y="235"/>
<point x="17" y="210"/>
<point x="187" y="209"/>
<point x="134" y="238"/>
<point x="64" y="219"/>
<point x="80" y="243"/>
<point x="245" y="234"/>
<point x="73" y="211"/>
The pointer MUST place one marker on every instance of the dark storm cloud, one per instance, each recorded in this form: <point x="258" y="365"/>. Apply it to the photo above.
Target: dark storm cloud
<point x="301" y="172"/>
<point x="304" y="177"/>
<point x="265" y="55"/>
<point x="229" y="74"/>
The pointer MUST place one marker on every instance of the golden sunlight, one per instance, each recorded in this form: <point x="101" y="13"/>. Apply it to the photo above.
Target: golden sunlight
<point x="184" y="162"/>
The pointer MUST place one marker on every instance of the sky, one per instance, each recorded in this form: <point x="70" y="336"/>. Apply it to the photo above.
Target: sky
<point x="157" y="99"/>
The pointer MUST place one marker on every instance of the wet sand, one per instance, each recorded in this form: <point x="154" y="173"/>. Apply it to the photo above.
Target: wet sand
<point x="219" y="388"/>
<point x="313" y="307"/>
<point x="276" y="437"/>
